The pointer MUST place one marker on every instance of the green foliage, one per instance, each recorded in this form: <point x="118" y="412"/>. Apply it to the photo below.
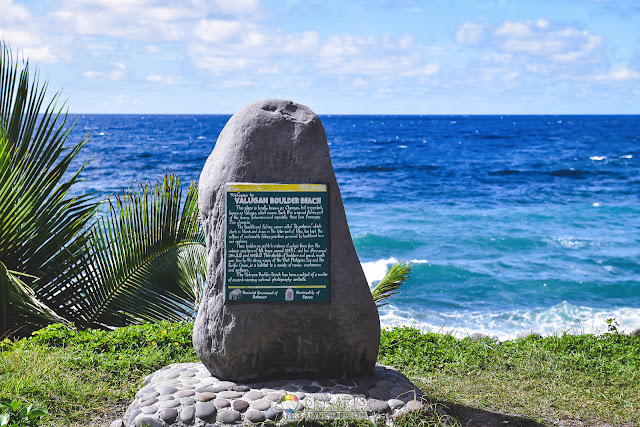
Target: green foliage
<point x="15" y="414"/>
<point x="395" y="277"/>
<point x="144" y="261"/>
<point x="40" y="221"/>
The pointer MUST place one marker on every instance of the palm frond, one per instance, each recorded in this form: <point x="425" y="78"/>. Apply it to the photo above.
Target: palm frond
<point x="395" y="277"/>
<point x="142" y="261"/>
<point x="19" y="306"/>
<point x="39" y="218"/>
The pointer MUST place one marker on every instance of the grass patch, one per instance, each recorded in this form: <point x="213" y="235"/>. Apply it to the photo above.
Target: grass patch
<point x="88" y="377"/>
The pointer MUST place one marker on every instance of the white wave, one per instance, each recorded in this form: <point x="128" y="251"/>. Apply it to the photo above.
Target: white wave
<point x="402" y="146"/>
<point x="374" y="271"/>
<point x="202" y="137"/>
<point x="506" y="325"/>
<point x="571" y="242"/>
<point x="627" y="156"/>
<point x="598" y="158"/>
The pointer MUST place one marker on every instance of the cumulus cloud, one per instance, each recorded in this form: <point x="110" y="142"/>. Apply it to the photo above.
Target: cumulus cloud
<point x="562" y="44"/>
<point x="619" y="71"/>
<point x="151" y="20"/>
<point x="555" y="42"/>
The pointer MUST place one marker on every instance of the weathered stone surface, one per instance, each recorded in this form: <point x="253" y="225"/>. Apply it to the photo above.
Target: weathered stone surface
<point x="275" y="141"/>
<point x="240" y="405"/>
<point x="413" y="405"/>
<point x="261" y="404"/>
<point x="253" y="395"/>
<point x="206" y="411"/>
<point x="228" y="416"/>
<point x="187" y="413"/>
<point x="169" y="415"/>
<point x="147" y="422"/>
<point x="255" y="416"/>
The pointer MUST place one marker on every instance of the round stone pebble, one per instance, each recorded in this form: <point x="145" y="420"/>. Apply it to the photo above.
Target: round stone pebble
<point x="377" y="406"/>
<point x="274" y="397"/>
<point x="379" y="393"/>
<point x="149" y="394"/>
<point x="206" y="411"/>
<point x="169" y="415"/>
<point x="186" y="401"/>
<point x="134" y="414"/>
<point x="169" y="390"/>
<point x="253" y="395"/>
<point x="240" y="405"/>
<point x="166" y="397"/>
<point x="240" y="388"/>
<point x="227" y="384"/>
<point x="149" y="409"/>
<point x="148" y="402"/>
<point x="261" y="404"/>
<point x="413" y="405"/>
<point x="229" y="416"/>
<point x="172" y="375"/>
<point x="273" y="413"/>
<point x="290" y="388"/>
<point x="301" y="382"/>
<point x="229" y="394"/>
<point x="205" y="396"/>
<point x="311" y="388"/>
<point x="395" y="403"/>
<point x="396" y="391"/>
<point x="187" y="414"/>
<point x="326" y="383"/>
<point x="169" y="404"/>
<point x="385" y="384"/>
<point x="187" y="374"/>
<point x="365" y="383"/>
<point x="300" y="395"/>
<point x="359" y="391"/>
<point x="147" y="422"/>
<point x="254" y="416"/>
<point x="346" y="381"/>
<point x="221" y="403"/>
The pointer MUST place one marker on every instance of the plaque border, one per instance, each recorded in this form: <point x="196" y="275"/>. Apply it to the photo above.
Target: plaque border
<point x="275" y="187"/>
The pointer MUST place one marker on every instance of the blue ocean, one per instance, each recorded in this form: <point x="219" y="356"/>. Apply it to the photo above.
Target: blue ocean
<point x="511" y="223"/>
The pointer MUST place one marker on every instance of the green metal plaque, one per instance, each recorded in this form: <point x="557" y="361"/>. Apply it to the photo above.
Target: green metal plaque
<point x="277" y="243"/>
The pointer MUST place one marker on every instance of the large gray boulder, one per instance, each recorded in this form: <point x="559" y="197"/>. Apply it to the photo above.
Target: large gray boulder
<point x="278" y="141"/>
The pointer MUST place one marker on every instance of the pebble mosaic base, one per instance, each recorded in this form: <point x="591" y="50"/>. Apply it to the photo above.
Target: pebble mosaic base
<point x="186" y="394"/>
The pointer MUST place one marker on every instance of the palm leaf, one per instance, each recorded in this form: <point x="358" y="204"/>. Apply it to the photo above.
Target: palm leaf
<point x="39" y="219"/>
<point x="395" y="277"/>
<point x="19" y="306"/>
<point x="146" y="259"/>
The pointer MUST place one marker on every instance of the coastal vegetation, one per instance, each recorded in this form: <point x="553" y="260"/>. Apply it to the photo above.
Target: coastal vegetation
<point x="89" y="377"/>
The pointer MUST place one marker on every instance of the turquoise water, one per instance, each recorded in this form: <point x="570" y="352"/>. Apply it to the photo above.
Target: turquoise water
<point x="512" y="223"/>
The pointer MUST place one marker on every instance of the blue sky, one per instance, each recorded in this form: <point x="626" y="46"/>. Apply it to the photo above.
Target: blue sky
<point x="340" y="57"/>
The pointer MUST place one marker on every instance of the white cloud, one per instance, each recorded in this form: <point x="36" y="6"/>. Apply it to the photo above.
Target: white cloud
<point x="151" y="20"/>
<point x="13" y="13"/>
<point x="470" y="33"/>
<point x="560" y="44"/>
<point x="301" y="44"/>
<point x="118" y="74"/>
<point x="216" y="30"/>
<point x="164" y="80"/>
<point x="620" y="71"/>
